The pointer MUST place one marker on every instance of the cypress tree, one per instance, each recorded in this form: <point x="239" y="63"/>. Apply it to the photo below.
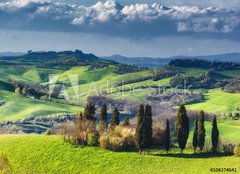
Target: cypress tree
<point x="201" y="131"/>
<point x="195" y="135"/>
<point x="148" y="117"/>
<point x="103" y="121"/>
<point x="89" y="112"/>
<point x="215" y="135"/>
<point x="182" y="127"/>
<point x="139" y="128"/>
<point x="115" y="118"/>
<point x="167" y="137"/>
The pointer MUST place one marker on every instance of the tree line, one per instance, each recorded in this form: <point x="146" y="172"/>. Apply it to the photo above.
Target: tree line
<point x="143" y="137"/>
<point x="205" y="64"/>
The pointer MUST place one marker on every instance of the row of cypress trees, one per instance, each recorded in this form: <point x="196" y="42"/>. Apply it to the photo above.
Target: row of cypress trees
<point x="143" y="135"/>
<point x="199" y="132"/>
<point x="144" y="130"/>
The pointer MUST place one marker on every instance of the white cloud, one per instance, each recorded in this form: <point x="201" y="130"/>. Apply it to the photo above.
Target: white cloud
<point x="133" y="20"/>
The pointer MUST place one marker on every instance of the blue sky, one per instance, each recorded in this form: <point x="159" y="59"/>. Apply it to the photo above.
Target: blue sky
<point x="132" y="28"/>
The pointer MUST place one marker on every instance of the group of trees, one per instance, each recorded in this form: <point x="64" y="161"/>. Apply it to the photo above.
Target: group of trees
<point x="143" y="132"/>
<point x="233" y="86"/>
<point x="198" y="63"/>
<point x="86" y="122"/>
<point x="203" y="80"/>
<point x="86" y="125"/>
<point x="124" y="69"/>
<point x="199" y="132"/>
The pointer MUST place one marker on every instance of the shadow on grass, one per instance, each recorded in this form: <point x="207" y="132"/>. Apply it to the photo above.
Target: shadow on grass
<point x="187" y="155"/>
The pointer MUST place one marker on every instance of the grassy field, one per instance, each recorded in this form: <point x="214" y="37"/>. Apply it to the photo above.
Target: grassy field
<point x="217" y="101"/>
<point x="27" y="74"/>
<point x="228" y="133"/>
<point x="50" y="154"/>
<point x="18" y="107"/>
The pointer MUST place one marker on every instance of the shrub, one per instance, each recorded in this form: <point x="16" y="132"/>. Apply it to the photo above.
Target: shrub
<point x="237" y="150"/>
<point x="104" y="141"/>
<point x="92" y="140"/>
<point x="117" y="140"/>
<point x="227" y="149"/>
<point x="116" y="143"/>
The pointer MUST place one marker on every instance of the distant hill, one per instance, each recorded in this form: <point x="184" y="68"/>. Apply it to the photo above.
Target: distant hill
<point x="229" y="57"/>
<point x="73" y="57"/>
<point x="139" y="61"/>
<point x="158" y="62"/>
<point x="66" y="59"/>
<point x="11" y="54"/>
<point x="52" y="57"/>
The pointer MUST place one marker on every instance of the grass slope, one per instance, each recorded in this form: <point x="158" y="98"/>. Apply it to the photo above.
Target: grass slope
<point x="26" y="73"/>
<point x="18" y="106"/>
<point x="217" y="101"/>
<point x="228" y="133"/>
<point x="49" y="154"/>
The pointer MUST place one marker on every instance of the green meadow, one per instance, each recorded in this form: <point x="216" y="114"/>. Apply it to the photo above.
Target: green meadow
<point x="18" y="107"/>
<point x="217" y="101"/>
<point x="228" y="133"/>
<point x="50" y="154"/>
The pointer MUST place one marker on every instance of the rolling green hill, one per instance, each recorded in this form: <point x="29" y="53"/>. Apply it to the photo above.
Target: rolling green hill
<point x="96" y="77"/>
<point x="18" y="107"/>
<point x="50" y="154"/>
<point x="218" y="101"/>
<point x="95" y="81"/>
<point x="228" y="133"/>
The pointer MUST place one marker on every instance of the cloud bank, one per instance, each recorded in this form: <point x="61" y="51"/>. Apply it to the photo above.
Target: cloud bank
<point x="111" y="18"/>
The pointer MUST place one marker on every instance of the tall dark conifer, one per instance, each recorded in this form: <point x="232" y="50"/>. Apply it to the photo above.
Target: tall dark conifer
<point x="167" y="137"/>
<point x="115" y="118"/>
<point x="195" y="135"/>
<point x="201" y="131"/>
<point x="148" y="117"/>
<point x="103" y="121"/>
<point x="215" y="135"/>
<point x="140" y="128"/>
<point x="182" y="127"/>
<point x="89" y="112"/>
